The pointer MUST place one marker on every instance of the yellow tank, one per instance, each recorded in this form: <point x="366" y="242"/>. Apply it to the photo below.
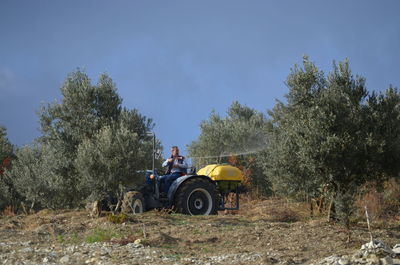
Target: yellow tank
<point x="221" y="172"/>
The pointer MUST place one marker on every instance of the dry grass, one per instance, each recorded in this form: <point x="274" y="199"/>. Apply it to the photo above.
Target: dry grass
<point x="8" y="211"/>
<point x="267" y="226"/>
<point x="273" y="209"/>
<point x="382" y="205"/>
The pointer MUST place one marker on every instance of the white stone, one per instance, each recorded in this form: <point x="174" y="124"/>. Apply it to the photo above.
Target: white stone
<point x="71" y="248"/>
<point x="64" y="259"/>
<point x="27" y="243"/>
<point x="28" y="249"/>
<point x="92" y="260"/>
<point x="387" y="261"/>
<point x="373" y="259"/>
<point x="344" y="261"/>
<point x="358" y="254"/>
<point x="375" y="245"/>
<point x="396" y="249"/>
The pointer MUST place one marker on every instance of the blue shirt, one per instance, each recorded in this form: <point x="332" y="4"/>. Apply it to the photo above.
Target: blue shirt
<point x="182" y="165"/>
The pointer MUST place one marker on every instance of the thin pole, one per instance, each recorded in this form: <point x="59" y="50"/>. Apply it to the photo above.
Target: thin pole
<point x="154" y="152"/>
<point x="154" y="168"/>
<point x="369" y="227"/>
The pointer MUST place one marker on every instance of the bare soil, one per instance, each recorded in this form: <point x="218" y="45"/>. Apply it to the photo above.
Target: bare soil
<point x="262" y="232"/>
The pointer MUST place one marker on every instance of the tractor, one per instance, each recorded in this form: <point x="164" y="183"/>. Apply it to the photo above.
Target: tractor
<point x="204" y="192"/>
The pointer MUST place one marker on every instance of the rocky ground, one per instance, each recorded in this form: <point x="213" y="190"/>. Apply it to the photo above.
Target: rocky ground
<point x="263" y="232"/>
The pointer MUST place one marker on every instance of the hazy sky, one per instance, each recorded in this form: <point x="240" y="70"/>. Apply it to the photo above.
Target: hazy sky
<point x="176" y="61"/>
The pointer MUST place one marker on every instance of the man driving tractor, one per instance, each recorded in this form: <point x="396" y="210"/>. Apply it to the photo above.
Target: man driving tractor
<point x="176" y="167"/>
<point x="194" y="193"/>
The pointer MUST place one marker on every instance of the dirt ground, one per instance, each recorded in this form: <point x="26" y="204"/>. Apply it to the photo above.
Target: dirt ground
<point x="262" y="232"/>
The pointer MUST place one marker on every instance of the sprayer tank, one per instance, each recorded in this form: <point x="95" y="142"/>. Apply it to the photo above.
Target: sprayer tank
<point x="221" y="172"/>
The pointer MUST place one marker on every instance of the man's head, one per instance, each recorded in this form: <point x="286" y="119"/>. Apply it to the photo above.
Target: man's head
<point x="175" y="151"/>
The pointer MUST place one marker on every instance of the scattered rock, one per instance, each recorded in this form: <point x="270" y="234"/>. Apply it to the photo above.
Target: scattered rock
<point x="28" y="249"/>
<point x="372" y="258"/>
<point x="207" y="240"/>
<point x="377" y="247"/>
<point x="64" y="259"/>
<point x="387" y="261"/>
<point x="396" y="249"/>
<point x="92" y="260"/>
<point x="374" y="252"/>
<point x="344" y="261"/>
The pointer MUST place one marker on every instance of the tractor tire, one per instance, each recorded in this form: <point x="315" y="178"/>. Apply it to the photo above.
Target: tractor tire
<point x="196" y="197"/>
<point x="133" y="203"/>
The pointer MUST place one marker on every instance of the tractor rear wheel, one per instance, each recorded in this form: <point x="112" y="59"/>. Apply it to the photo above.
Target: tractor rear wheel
<point x="196" y="197"/>
<point x="133" y="203"/>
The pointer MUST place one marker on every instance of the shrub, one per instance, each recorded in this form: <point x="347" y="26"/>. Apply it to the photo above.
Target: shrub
<point x="284" y="214"/>
<point x="383" y="203"/>
<point x="100" y="235"/>
<point x="117" y="219"/>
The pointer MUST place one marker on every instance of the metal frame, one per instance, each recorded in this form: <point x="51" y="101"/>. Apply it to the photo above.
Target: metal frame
<point x="222" y="205"/>
<point x="157" y="192"/>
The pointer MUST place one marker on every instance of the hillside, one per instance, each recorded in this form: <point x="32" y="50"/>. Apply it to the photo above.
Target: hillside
<point x="263" y="232"/>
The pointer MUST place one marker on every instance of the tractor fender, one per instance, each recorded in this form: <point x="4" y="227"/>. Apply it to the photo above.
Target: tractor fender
<point x="179" y="181"/>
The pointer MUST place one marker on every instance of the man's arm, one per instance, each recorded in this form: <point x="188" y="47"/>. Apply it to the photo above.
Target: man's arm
<point x="183" y="164"/>
<point x="165" y="164"/>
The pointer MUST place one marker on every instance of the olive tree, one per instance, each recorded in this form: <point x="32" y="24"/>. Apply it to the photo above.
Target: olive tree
<point x="85" y="118"/>
<point x="35" y="176"/>
<point x="8" y="194"/>
<point x="319" y="138"/>
<point x="111" y="160"/>
<point x="237" y="137"/>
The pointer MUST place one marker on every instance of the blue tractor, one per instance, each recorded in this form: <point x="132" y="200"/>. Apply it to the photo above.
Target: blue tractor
<point x="204" y="192"/>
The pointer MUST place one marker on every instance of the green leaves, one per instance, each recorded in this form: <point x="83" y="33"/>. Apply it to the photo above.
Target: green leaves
<point x="109" y="160"/>
<point x="383" y="121"/>
<point x="84" y="109"/>
<point x="243" y="130"/>
<point x="7" y="190"/>
<point x="6" y="148"/>
<point x="332" y="134"/>
<point x="90" y="146"/>
<point x="37" y="177"/>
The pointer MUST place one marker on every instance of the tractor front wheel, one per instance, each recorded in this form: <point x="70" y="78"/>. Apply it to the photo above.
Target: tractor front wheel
<point x="133" y="203"/>
<point x="196" y="197"/>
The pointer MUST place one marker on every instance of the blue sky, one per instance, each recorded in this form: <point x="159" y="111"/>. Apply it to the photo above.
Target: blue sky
<point x="176" y="61"/>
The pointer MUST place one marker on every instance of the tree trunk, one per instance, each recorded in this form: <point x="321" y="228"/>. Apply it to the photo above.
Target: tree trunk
<point x="32" y="205"/>
<point x="332" y="211"/>
<point x="117" y="206"/>
<point x="320" y="204"/>
<point x="24" y="208"/>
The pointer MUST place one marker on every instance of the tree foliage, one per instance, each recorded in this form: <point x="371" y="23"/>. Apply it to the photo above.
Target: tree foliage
<point x="8" y="194"/>
<point x="331" y="134"/>
<point x="383" y="125"/>
<point x="36" y="178"/>
<point x="84" y="137"/>
<point x="240" y="134"/>
<point x="6" y="149"/>
<point x="110" y="160"/>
